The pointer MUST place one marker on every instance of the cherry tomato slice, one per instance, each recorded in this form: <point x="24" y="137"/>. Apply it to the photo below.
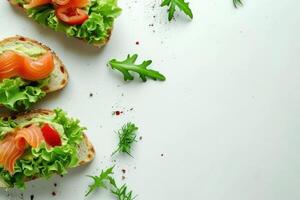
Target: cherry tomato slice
<point x="71" y="15"/>
<point x="51" y="136"/>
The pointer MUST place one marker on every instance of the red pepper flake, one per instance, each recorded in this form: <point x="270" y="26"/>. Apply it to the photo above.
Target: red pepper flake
<point x="53" y="193"/>
<point x="117" y="113"/>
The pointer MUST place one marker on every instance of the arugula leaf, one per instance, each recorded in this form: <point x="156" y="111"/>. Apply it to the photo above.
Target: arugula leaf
<point x="17" y="94"/>
<point x="127" y="136"/>
<point x="122" y="193"/>
<point x="181" y="4"/>
<point x="129" y="65"/>
<point x="105" y="180"/>
<point x="101" y="180"/>
<point x="237" y="3"/>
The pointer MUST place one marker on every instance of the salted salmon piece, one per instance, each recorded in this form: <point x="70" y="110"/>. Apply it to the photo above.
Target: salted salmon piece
<point x="31" y="135"/>
<point x="9" y="153"/>
<point x="35" y="3"/>
<point x="37" y="69"/>
<point x="10" y="62"/>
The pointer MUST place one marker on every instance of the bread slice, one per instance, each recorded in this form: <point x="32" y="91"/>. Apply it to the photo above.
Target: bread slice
<point x="86" y="151"/>
<point x="59" y="77"/>
<point x="99" y="44"/>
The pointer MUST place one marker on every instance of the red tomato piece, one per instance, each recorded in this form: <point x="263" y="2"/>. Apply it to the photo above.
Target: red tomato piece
<point x="51" y="136"/>
<point x="71" y="15"/>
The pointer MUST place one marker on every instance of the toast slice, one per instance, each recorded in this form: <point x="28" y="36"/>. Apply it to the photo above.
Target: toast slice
<point x="85" y="151"/>
<point x="58" y="78"/>
<point x="95" y="43"/>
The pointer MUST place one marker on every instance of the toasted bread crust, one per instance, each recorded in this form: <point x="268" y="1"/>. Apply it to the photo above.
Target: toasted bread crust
<point x="99" y="44"/>
<point x="59" y="66"/>
<point x="86" y="151"/>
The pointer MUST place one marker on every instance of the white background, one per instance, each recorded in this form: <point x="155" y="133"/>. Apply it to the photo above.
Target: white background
<point x="226" y="119"/>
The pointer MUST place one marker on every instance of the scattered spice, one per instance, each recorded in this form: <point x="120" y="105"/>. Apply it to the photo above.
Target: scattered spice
<point x="53" y="193"/>
<point x="91" y="94"/>
<point x="31" y="197"/>
<point x="123" y="177"/>
<point x="124" y="171"/>
<point x="151" y="25"/>
<point x="117" y="113"/>
<point x="137" y="42"/>
<point x="61" y="175"/>
<point x="141" y="137"/>
<point x="55" y="184"/>
<point x="162" y="155"/>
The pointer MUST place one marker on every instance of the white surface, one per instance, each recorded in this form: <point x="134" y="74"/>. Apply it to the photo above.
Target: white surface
<point x="226" y="119"/>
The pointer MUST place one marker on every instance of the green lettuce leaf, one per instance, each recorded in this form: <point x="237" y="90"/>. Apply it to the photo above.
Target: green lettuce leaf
<point x="17" y="94"/>
<point x="72" y="129"/>
<point x="44" y="161"/>
<point x="6" y="126"/>
<point x="95" y="29"/>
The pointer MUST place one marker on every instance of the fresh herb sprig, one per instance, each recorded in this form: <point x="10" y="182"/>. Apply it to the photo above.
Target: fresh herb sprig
<point x="105" y="181"/>
<point x="237" y="3"/>
<point x="181" y="4"/>
<point x="122" y="193"/>
<point x="129" y="65"/>
<point x="100" y="181"/>
<point x="127" y="136"/>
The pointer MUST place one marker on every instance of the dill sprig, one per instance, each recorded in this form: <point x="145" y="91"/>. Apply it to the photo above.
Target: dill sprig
<point x="127" y="136"/>
<point x="123" y="194"/>
<point x="237" y="3"/>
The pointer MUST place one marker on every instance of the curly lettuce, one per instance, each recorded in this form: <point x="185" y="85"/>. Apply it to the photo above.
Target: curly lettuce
<point x="17" y="94"/>
<point x="44" y="161"/>
<point x="6" y="126"/>
<point x="96" y="29"/>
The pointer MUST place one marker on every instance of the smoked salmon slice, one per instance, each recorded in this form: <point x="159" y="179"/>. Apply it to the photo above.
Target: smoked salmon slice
<point x="9" y="153"/>
<point x="35" y="3"/>
<point x="31" y="135"/>
<point x="37" y="69"/>
<point x="70" y="3"/>
<point x="14" y="145"/>
<point x="61" y="2"/>
<point x="78" y="3"/>
<point x="10" y="62"/>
